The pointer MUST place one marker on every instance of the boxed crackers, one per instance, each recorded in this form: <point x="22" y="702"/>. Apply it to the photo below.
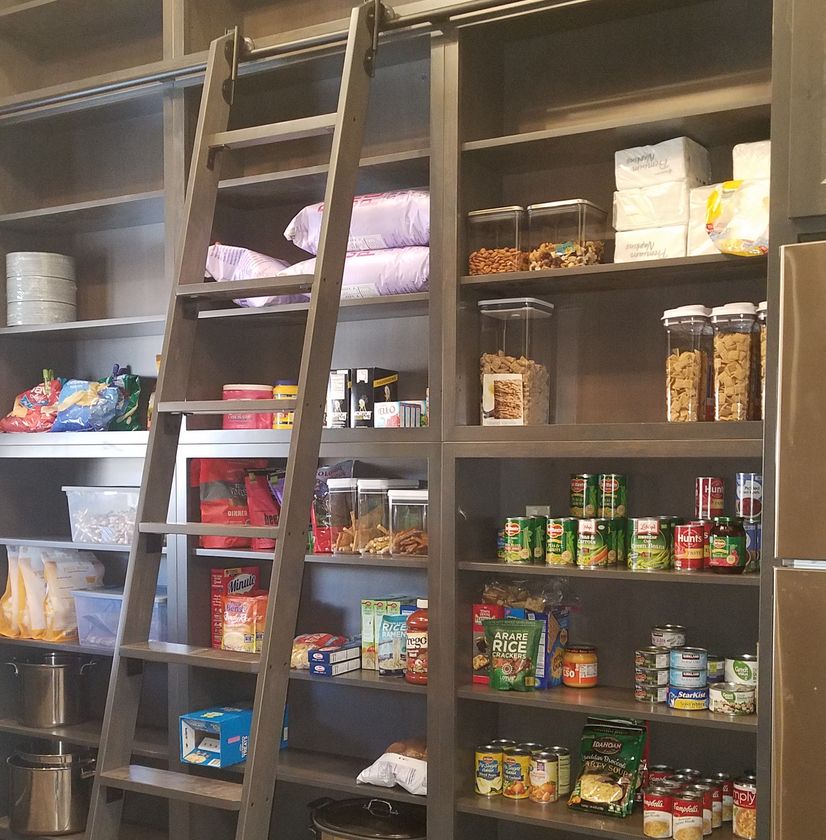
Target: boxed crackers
<point x="481" y="654"/>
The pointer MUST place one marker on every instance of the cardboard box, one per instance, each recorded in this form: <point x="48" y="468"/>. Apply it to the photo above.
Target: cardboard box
<point x="367" y="387"/>
<point x="680" y="159"/>
<point x="334" y="655"/>
<point x="236" y="581"/>
<point x="659" y="205"/>
<point x="335" y="669"/>
<point x="652" y="244"/>
<point x="372" y="609"/>
<point x="216" y="737"/>
<point x="337" y="411"/>
<point x="397" y="415"/>
<point x="551" y="644"/>
<point x="481" y="655"/>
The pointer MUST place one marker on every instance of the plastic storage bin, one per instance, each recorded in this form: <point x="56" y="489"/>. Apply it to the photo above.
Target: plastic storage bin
<point x="373" y="529"/>
<point x="736" y="361"/>
<point x="342" y="501"/>
<point x="762" y="313"/>
<point x="515" y="362"/>
<point x="408" y="521"/>
<point x="98" y="614"/>
<point x="688" y="364"/>
<point x="102" y="515"/>
<point x="566" y="234"/>
<point x="496" y="240"/>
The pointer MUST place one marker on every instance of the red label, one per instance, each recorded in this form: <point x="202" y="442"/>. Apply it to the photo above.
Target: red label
<point x="555" y="530"/>
<point x="687" y="808"/>
<point x="512" y="529"/>
<point x="609" y="485"/>
<point x="745" y="798"/>
<point x="577" y="485"/>
<point x="657" y="802"/>
<point x="709" y="497"/>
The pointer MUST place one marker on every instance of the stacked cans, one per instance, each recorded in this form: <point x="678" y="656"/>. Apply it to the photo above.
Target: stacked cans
<point x="40" y="288"/>
<point x="748" y="502"/>
<point x="688" y="679"/>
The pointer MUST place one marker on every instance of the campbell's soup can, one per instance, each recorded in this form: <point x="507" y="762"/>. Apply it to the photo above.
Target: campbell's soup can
<point x="708" y="805"/>
<point x="689" y="547"/>
<point x="744" y="813"/>
<point x="658" y="772"/>
<point x="748" y="499"/>
<point x="716" y="801"/>
<point x="709" y="497"/>
<point x="727" y="789"/>
<point x="687" y="815"/>
<point x="657" y="803"/>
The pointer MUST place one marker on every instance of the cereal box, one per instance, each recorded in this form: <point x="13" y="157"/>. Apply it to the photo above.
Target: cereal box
<point x="236" y="581"/>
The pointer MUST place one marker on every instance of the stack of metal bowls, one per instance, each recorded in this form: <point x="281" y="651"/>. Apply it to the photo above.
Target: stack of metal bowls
<point x="40" y="288"/>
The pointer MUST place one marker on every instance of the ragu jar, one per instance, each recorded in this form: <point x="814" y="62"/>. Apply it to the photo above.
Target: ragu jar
<point x="417" y="639"/>
<point x="728" y="546"/>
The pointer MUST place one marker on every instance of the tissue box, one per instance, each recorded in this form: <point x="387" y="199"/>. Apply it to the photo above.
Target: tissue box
<point x="652" y="244"/>
<point x="659" y="205"/>
<point x="752" y="160"/>
<point x="680" y="159"/>
<point x="217" y="737"/>
<point x="699" y="242"/>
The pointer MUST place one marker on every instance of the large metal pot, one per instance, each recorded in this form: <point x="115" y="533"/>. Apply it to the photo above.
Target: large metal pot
<point x="367" y="819"/>
<point x="49" y="790"/>
<point x="51" y="689"/>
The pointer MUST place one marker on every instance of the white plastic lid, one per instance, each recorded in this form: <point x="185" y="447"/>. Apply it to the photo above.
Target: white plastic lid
<point x="113" y="593"/>
<point x="247" y="387"/>
<point x="342" y="483"/>
<point x="385" y="483"/>
<point x="407" y="496"/>
<point x="694" y="310"/>
<point x="102" y="489"/>
<point x="733" y="310"/>
<point x="520" y="307"/>
<point x="421" y="603"/>
<point x="762" y="307"/>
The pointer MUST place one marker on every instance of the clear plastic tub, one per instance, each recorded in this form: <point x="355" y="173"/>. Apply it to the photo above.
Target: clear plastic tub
<point x="566" y="234"/>
<point x="373" y="526"/>
<point x="102" y="515"/>
<point x="408" y="521"/>
<point x="516" y="360"/>
<point x="762" y="313"/>
<point x="496" y="240"/>
<point x="736" y="361"/>
<point x="688" y="364"/>
<point x="342" y="500"/>
<point x="98" y="614"/>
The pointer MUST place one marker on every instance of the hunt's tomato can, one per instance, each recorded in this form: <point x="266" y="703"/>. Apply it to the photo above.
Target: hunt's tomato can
<point x="707" y="525"/>
<point x="709" y="497"/>
<point x="689" y="547"/>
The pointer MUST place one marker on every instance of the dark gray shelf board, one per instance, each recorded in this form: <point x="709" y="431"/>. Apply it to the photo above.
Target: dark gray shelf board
<point x="63" y="542"/>
<point x="362" y="679"/>
<point x="607" y="700"/>
<point x="616" y="573"/>
<point x="67" y="647"/>
<point x="355" y="560"/>
<point x="136" y="327"/>
<point x="128" y="831"/>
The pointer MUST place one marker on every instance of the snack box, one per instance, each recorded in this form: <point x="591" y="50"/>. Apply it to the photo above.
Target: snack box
<point x="551" y="644"/>
<point x="337" y="410"/>
<point x="326" y="669"/>
<point x="679" y="159"/>
<point x="372" y="609"/>
<point x="216" y="737"/>
<point x="369" y="386"/>
<point x="481" y="654"/>
<point x="235" y="581"/>
<point x="651" y="244"/>
<point x="334" y="655"/>
<point x="397" y="415"/>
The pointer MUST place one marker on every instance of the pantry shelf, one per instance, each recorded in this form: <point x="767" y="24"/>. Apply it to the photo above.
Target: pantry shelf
<point x="67" y="647"/>
<point x="559" y="817"/>
<point x="137" y="327"/>
<point x="363" y="679"/>
<point x="74" y="445"/>
<point x="370" y="560"/>
<point x="608" y="700"/>
<point x="64" y="542"/>
<point x="615" y="573"/>
<point x="128" y="831"/>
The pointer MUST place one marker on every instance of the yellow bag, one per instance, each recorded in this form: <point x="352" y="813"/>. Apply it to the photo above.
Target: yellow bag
<point x="11" y="603"/>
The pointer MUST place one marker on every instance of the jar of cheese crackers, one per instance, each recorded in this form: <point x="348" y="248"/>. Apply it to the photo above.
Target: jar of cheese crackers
<point x="736" y="362"/>
<point x="688" y="364"/>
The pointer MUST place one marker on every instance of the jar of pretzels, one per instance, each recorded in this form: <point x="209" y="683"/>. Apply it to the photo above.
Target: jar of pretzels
<point x="736" y="362"/>
<point x="688" y="364"/>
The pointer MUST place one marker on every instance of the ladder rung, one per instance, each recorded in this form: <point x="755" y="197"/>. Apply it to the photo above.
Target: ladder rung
<point x="290" y="284"/>
<point x="201" y="529"/>
<point x="226" y="406"/>
<point x="196" y="790"/>
<point x="196" y="657"/>
<point x="280" y="132"/>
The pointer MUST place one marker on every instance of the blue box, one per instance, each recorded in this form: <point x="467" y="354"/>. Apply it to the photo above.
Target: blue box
<point x="332" y="655"/>
<point x="334" y="669"/>
<point x="217" y="737"/>
<point x="551" y="643"/>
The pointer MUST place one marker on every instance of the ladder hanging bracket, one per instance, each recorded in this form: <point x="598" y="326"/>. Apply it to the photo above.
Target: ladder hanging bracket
<point x="377" y="15"/>
<point x="232" y="52"/>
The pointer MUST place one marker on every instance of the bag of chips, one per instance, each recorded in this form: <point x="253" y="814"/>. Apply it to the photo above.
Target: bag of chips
<point x="263" y="507"/>
<point x="86" y="406"/>
<point x="34" y="410"/>
<point x="514" y="649"/>
<point x="129" y="394"/>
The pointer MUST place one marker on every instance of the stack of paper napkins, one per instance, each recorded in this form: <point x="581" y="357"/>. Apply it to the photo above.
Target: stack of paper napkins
<point x="653" y="198"/>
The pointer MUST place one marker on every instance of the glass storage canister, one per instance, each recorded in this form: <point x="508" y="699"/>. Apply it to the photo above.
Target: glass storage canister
<point x="688" y="364"/>
<point x="735" y="361"/>
<point x="408" y="521"/>
<point x="342" y="501"/>
<point x="496" y="240"/>
<point x="762" y="313"/>
<point x="566" y="234"/>
<point x="515" y="363"/>
<point x="373" y="522"/>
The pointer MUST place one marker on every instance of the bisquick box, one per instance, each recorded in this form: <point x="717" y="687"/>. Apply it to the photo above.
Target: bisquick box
<point x="680" y="159"/>
<point x="659" y="205"/>
<point x="752" y="161"/>
<point x="699" y="242"/>
<point x="652" y="244"/>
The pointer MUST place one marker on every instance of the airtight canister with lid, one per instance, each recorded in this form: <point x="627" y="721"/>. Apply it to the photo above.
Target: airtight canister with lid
<point x="736" y="364"/>
<point x="688" y="364"/>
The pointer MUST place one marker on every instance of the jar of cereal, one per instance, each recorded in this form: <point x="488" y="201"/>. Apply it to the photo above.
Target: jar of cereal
<point x="688" y="364"/>
<point x="735" y="361"/>
<point x="762" y="312"/>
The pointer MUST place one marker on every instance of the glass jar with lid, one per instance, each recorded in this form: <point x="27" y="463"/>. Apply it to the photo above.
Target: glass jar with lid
<point x="373" y="523"/>
<point x="516" y="361"/>
<point x="566" y="234"/>
<point x="496" y="240"/>
<point x="342" y="501"/>
<point x="762" y="313"/>
<point x="736" y="363"/>
<point x="408" y="521"/>
<point x="688" y="364"/>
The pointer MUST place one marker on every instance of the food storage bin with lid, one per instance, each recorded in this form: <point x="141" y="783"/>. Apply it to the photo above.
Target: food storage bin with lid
<point x="566" y="234"/>
<point x="342" y="501"/>
<point x="736" y="364"/>
<point x="688" y="364"/>
<point x="408" y="521"/>
<point x="367" y="819"/>
<point x="98" y="614"/>
<point x="497" y="240"/>
<point x="42" y="263"/>
<point x="373" y="529"/>
<point x="246" y="391"/>
<point x="102" y="515"/>
<point x="515" y="363"/>
<point x="762" y="313"/>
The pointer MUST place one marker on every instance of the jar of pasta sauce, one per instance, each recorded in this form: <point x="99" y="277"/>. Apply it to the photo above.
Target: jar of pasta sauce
<point x="728" y="546"/>
<point x="579" y="666"/>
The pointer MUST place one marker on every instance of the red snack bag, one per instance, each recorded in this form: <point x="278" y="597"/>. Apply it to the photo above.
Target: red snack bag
<point x="34" y="410"/>
<point x="263" y="506"/>
<point x="224" y="498"/>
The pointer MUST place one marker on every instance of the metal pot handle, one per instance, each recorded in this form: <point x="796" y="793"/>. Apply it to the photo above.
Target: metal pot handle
<point x="312" y="806"/>
<point x="381" y="808"/>
<point x="88" y="767"/>
<point x="13" y="665"/>
<point x="90" y="664"/>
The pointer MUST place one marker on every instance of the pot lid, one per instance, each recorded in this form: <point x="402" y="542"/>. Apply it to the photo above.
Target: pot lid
<point x="52" y="659"/>
<point x="50" y="753"/>
<point x="376" y="819"/>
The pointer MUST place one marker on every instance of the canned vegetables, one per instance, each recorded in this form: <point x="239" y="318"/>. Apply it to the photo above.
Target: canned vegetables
<point x="584" y="497"/>
<point x="613" y="496"/>
<point x="560" y="547"/>
<point x="518" y="546"/>
<point x="596" y="544"/>
<point x="649" y="544"/>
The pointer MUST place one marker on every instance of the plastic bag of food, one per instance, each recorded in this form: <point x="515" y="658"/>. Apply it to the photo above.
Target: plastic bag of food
<point x="226" y="263"/>
<point x="404" y="763"/>
<point x="245" y="619"/>
<point x="367" y="274"/>
<point x="85" y="406"/>
<point x="514" y="650"/>
<point x="320" y="510"/>
<point x="738" y="218"/>
<point x="34" y="410"/>
<point x="264" y="508"/>
<point x="11" y="604"/>
<point x="311" y="641"/>
<point x="395" y="219"/>
<point x="129" y="395"/>
<point x="224" y="497"/>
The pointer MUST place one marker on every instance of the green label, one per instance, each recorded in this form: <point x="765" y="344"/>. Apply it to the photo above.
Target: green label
<point x="743" y="670"/>
<point x="561" y="548"/>
<point x="518" y="540"/>
<point x="596" y="544"/>
<point x="728" y="551"/>
<point x="584" y="495"/>
<point x="649" y="545"/>
<point x="613" y="496"/>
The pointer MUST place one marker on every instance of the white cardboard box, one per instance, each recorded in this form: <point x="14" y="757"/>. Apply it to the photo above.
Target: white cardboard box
<point x="659" y="205"/>
<point x="652" y="244"/>
<point x="680" y="159"/>
<point x="752" y="161"/>
<point x="699" y="242"/>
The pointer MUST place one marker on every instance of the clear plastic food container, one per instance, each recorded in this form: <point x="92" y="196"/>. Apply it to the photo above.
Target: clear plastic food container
<point x="736" y="363"/>
<point x="408" y="521"/>
<point x="566" y="234"/>
<point x="688" y="364"/>
<point x="342" y="499"/>
<point x="373" y="526"/>
<point x="496" y="240"/>
<point x="762" y="313"/>
<point x="98" y="614"/>
<point x="102" y="515"/>
<point x="516" y="360"/>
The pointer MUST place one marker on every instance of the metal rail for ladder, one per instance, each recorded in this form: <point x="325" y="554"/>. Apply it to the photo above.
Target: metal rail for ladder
<point x="116" y="775"/>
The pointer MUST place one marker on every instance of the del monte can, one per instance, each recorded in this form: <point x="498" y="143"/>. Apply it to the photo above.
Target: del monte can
<point x="613" y="496"/>
<point x="596" y="544"/>
<point x="584" y="495"/>
<point x="561" y="542"/>
<point x="518" y="533"/>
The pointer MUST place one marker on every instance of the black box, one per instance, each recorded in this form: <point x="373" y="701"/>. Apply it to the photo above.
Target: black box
<point x="337" y="410"/>
<point x="367" y="387"/>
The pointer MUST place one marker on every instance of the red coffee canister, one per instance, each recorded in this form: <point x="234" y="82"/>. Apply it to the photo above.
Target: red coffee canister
<point x="709" y="497"/>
